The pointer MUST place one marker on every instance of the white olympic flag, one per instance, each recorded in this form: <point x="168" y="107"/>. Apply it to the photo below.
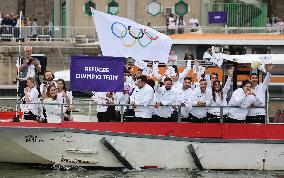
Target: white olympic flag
<point x="121" y="37"/>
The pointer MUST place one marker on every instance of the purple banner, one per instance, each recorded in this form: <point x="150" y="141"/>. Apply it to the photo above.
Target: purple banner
<point x="97" y="73"/>
<point x="217" y="17"/>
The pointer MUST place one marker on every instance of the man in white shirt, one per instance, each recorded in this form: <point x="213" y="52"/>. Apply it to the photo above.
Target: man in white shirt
<point x="201" y="97"/>
<point x="48" y="77"/>
<point x="257" y="115"/>
<point x="27" y="67"/>
<point x="183" y="98"/>
<point x="164" y="95"/>
<point x="142" y="96"/>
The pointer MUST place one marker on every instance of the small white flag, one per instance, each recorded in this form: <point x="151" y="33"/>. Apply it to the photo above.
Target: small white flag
<point x="170" y="72"/>
<point x="265" y="59"/>
<point x="217" y="59"/>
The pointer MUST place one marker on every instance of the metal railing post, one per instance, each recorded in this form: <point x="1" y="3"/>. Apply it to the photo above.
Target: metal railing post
<point x="62" y="114"/>
<point x="90" y="110"/>
<point x="179" y="113"/>
<point x="121" y="113"/>
<point x="221" y="114"/>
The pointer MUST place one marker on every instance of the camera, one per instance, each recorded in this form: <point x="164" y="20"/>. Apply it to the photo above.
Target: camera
<point x="45" y="82"/>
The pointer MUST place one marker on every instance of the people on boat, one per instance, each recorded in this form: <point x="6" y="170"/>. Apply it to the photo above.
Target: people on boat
<point x="30" y="100"/>
<point x="257" y="115"/>
<point x="201" y="97"/>
<point x="183" y="98"/>
<point x="48" y="78"/>
<point x="27" y="67"/>
<point x="104" y="113"/>
<point x="143" y="95"/>
<point x="244" y="97"/>
<point x="178" y="79"/>
<point x="52" y="110"/>
<point x="219" y="96"/>
<point x="65" y="97"/>
<point x="124" y="97"/>
<point x="164" y="95"/>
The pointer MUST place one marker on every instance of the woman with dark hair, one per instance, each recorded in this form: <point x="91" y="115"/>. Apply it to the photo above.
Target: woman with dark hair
<point x="219" y="96"/>
<point x="243" y="98"/>
<point x="51" y="107"/>
<point x="64" y="97"/>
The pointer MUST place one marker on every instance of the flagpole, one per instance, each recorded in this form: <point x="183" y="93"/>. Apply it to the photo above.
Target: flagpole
<point x="18" y="64"/>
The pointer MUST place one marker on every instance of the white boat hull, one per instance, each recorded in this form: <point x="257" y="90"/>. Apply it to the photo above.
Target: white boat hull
<point x="84" y="148"/>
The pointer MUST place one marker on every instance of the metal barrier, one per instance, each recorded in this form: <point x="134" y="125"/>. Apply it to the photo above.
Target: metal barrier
<point x="88" y="34"/>
<point x="89" y="104"/>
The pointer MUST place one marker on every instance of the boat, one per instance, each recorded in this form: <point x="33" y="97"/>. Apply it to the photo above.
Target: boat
<point x="145" y="145"/>
<point x="129" y="145"/>
<point x="136" y="145"/>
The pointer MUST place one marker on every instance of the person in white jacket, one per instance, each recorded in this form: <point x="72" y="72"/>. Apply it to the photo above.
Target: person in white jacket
<point x="201" y="97"/>
<point x="64" y="97"/>
<point x="104" y="113"/>
<point x="143" y="95"/>
<point x="243" y="98"/>
<point x="164" y="95"/>
<point x="52" y="108"/>
<point x="183" y="98"/>
<point x="31" y="96"/>
<point x="219" y="96"/>
<point x="257" y="115"/>
<point x="179" y="78"/>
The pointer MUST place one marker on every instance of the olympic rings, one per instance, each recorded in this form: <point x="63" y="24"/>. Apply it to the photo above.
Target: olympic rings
<point x="129" y="27"/>
<point x="120" y="31"/>
<point x="151" y="38"/>
<point x="128" y="45"/>
<point x="121" y="36"/>
<point x="142" y="45"/>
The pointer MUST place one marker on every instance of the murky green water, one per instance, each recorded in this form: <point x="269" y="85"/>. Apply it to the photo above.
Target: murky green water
<point x="24" y="171"/>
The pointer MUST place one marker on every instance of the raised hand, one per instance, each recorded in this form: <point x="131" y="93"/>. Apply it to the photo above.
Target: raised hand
<point x="269" y="67"/>
<point x="26" y="89"/>
<point x="231" y="71"/>
<point x="207" y="71"/>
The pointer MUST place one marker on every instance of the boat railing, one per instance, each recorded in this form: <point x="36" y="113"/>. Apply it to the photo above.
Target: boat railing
<point x="85" y="108"/>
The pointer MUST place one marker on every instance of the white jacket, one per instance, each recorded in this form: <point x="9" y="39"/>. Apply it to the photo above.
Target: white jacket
<point x="197" y="96"/>
<point x="100" y="98"/>
<point x="243" y="102"/>
<point x="143" y="96"/>
<point x="184" y="97"/>
<point x="165" y="97"/>
<point x="53" y="112"/>
<point x="33" y="98"/>
<point x="260" y="91"/>
<point x="219" y="101"/>
<point x="121" y="98"/>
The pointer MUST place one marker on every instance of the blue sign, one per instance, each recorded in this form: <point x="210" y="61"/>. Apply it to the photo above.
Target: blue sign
<point x="217" y="17"/>
<point x="97" y="73"/>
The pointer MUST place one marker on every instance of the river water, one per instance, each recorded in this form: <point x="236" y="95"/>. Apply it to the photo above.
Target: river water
<point x="24" y="171"/>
